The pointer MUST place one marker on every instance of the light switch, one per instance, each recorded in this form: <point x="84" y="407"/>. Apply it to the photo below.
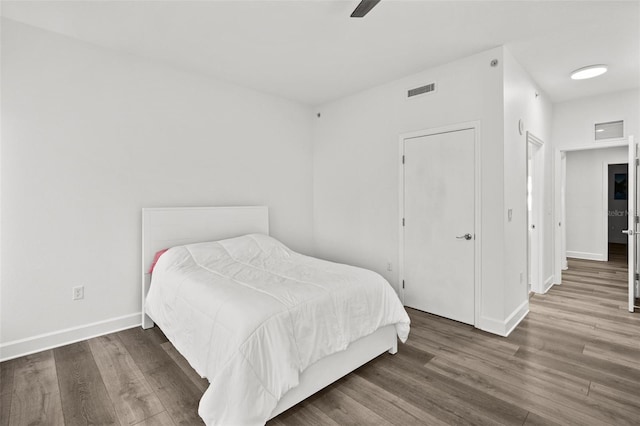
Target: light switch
<point x="509" y="214"/>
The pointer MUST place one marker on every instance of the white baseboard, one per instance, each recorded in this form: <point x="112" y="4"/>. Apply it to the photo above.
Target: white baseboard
<point x="587" y="256"/>
<point x="30" y="345"/>
<point x="491" y="325"/>
<point x="516" y="316"/>
<point x="504" y="328"/>
<point x="548" y="283"/>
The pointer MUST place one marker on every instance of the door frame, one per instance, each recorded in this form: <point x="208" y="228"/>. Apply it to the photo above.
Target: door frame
<point x="472" y="125"/>
<point x="559" y="189"/>
<point x="536" y="270"/>
<point x="632" y="225"/>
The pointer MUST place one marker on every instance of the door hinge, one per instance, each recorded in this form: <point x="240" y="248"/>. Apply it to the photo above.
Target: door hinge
<point x="403" y="159"/>
<point x="637" y="279"/>
<point x="403" y="221"/>
<point x="637" y="219"/>
<point x="403" y="282"/>
<point x="637" y="161"/>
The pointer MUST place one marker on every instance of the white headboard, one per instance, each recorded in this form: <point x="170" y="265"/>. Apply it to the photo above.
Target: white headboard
<point x="173" y="226"/>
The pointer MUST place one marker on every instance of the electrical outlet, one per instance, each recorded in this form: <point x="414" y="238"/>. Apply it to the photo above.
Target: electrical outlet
<point x="78" y="292"/>
<point x="389" y="267"/>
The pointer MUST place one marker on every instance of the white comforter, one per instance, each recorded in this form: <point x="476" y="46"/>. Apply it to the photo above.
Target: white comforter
<point x="250" y="315"/>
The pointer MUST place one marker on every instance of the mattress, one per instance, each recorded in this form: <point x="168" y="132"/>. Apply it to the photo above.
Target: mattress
<point x="250" y="315"/>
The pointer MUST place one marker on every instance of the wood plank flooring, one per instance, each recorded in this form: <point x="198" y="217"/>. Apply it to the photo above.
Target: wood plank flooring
<point x="574" y="360"/>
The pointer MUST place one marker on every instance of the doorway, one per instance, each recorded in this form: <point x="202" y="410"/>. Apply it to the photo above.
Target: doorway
<point x="535" y="214"/>
<point x="588" y="229"/>
<point x="439" y="233"/>
<point x="588" y="188"/>
<point x="617" y="211"/>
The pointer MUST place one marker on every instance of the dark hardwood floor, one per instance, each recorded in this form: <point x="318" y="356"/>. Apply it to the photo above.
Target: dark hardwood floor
<point x="574" y="360"/>
<point x="618" y="253"/>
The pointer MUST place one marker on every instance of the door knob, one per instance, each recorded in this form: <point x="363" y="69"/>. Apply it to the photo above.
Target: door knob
<point x="465" y="236"/>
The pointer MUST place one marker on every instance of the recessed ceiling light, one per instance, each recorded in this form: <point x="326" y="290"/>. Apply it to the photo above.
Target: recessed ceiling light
<point x="588" y="72"/>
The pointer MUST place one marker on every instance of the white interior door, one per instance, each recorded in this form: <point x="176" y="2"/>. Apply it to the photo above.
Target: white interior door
<point x="439" y="218"/>
<point x="532" y="243"/>
<point x="632" y="197"/>
<point x="535" y="212"/>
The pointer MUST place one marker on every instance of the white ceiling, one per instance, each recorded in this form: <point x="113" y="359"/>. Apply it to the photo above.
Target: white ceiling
<point x="312" y="52"/>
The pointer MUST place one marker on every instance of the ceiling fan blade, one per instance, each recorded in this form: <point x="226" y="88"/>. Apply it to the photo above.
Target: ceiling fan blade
<point x="363" y="8"/>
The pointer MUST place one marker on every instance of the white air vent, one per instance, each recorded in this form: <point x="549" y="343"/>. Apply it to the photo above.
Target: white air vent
<point x="422" y="90"/>
<point x="609" y="130"/>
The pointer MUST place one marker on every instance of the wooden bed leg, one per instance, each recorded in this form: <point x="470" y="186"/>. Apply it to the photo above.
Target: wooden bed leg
<point x="394" y="348"/>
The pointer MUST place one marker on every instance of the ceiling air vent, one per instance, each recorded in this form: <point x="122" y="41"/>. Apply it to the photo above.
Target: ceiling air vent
<point x="422" y="90"/>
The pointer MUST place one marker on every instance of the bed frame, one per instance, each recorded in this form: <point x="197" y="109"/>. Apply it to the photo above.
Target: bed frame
<point x="168" y="227"/>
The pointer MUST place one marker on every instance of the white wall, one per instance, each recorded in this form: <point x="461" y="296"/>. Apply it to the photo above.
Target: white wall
<point x="586" y="201"/>
<point x="89" y="137"/>
<point x="573" y="121"/>
<point x="523" y="100"/>
<point x="356" y="168"/>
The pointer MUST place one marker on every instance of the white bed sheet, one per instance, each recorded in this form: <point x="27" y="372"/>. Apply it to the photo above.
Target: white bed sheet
<point x="249" y="314"/>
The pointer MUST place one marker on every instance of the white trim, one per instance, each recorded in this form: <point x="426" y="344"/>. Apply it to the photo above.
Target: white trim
<point x="516" y="317"/>
<point x="559" y="205"/>
<point x="586" y="255"/>
<point x="596" y="145"/>
<point x="476" y="127"/>
<point x="401" y="214"/>
<point x="534" y="139"/>
<point x="558" y="223"/>
<point x="548" y="283"/>
<point x="491" y="325"/>
<point x="632" y="254"/>
<point x="42" y="342"/>
<point x="442" y="129"/>
<point x="504" y="328"/>
<point x="538" y="173"/>
<point x="604" y="203"/>
<point x="563" y="216"/>
<point x="478" y="224"/>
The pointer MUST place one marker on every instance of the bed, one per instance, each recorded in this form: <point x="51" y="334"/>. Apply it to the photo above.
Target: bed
<point x="282" y="349"/>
